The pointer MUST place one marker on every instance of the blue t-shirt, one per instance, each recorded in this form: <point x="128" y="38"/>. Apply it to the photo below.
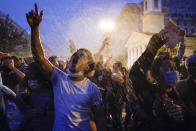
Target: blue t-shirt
<point x="72" y="102"/>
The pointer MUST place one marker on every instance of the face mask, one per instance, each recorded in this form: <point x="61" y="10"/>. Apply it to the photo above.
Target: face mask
<point x="79" y="74"/>
<point x="33" y="84"/>
<point x="100" y="78"/>
<point x="171" y="77"/>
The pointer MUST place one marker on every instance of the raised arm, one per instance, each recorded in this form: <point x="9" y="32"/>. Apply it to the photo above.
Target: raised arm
<point x="105" y="42"/>
<point x="10" y="64"/>
<point x="20" y="74"/>
<point x="34" y="19"/>
<point x="181" y="48"/>
<point x="144" y="62"/>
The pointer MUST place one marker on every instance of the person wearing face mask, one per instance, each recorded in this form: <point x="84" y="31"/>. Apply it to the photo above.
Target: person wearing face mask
<point x="76" y="98"/>
<point x="186" y="91"/>
<point x="166" y="106"/>
<point x="20" y="65"/>
<point x="157" y="110"/>
<point x="117" y="97"/>
<point x="11" y="76"/>
<point x="102" y="78"/>
<point x="38" y="100"/>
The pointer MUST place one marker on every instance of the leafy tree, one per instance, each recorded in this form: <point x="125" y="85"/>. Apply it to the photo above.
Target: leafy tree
<point x="11" y="39"/>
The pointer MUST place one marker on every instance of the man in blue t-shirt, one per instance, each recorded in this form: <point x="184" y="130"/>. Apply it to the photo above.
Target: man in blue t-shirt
<point x="75" y="97"/>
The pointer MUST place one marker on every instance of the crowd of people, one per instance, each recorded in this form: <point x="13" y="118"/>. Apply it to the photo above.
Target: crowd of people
<point x="85" y="93"/>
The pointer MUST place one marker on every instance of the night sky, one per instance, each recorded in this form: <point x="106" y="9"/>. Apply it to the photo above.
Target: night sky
<point x="67" y="19"/>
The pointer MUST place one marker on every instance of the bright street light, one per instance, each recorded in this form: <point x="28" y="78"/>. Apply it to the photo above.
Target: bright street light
<point x="107" y="25"/>
<point x="104" y="60"/>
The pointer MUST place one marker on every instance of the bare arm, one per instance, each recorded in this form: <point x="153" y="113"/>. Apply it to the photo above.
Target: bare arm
<point x="181" y="48"/>
<point x="34" y="19"/>
<point x="18" y="72"/>
<point x="142" y="65"/>
<point x="11" y="66"/>
<point x="92" y="125"/>
<point x="105" y="42"/>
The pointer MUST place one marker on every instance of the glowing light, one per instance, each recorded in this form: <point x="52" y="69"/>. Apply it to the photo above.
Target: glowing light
<point x="107" y="25"/>
<point x="105" y="60"/>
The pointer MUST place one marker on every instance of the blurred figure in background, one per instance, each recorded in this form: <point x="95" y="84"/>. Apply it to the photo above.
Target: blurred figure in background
<point x="118" y="96"/>
<point x="186" y="91"/>
<point x="20" y="64"/>
<point x="54" y="61"/>
<point x="157" y="110"/>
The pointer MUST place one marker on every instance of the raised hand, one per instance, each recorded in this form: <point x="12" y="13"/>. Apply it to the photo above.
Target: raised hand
<point x="106" y="41"/>
<point x="182" y="32"/>
<point x="11" y="64"/>
<point x="33" y="17"/>
<point x="162" y="33"/>
<point x="181" y="48"/>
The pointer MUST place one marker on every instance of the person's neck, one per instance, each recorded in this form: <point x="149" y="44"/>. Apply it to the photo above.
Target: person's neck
<point x="77" y="78"/>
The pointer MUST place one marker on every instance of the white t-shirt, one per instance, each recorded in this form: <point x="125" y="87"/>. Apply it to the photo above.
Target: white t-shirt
<point x="72" y="102"/>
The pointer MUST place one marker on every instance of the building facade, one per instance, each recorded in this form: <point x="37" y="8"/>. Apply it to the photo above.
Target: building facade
<point x="138" y="22"/>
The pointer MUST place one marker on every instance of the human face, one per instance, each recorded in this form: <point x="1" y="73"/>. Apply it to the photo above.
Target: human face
<point x="6" y="61"/>
<point x="21" y="60"/>
<point x="115" y="68"/>
<point x="99" y="67"/>
<point x="17" y="63"/>
<point x="78" y="62"/>
<point x="55" y="62"/>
